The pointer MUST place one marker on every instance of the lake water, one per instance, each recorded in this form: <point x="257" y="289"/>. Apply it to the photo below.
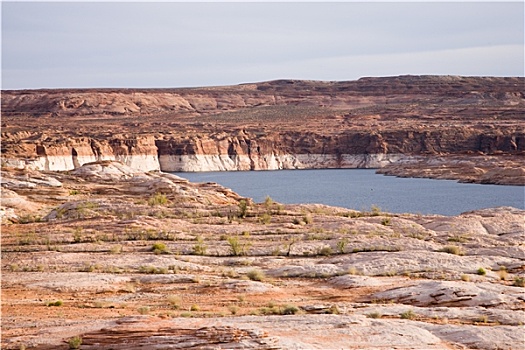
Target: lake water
<point x="361" y="188"/>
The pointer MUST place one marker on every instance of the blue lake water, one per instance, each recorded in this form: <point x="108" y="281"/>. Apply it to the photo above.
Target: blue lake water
<point x="361" y="188"/>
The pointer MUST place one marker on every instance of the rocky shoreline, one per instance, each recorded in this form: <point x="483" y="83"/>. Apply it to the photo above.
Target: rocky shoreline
<point x="470" y="126"/>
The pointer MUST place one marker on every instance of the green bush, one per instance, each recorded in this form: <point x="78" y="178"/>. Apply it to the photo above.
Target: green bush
<point x="75" y="342"/>
<point x="55" y="303"/>
<point x="481" y="271"/>
<point x="238" y="248"/>
<point x="160" y="248"/>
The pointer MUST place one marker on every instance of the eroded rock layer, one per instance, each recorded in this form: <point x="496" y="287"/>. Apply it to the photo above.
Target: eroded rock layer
<point x="284" y="124"/>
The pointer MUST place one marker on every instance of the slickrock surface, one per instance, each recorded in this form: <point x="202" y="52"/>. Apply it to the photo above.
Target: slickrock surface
<point x="465" y="128"/>
<point x="119" y="258"/>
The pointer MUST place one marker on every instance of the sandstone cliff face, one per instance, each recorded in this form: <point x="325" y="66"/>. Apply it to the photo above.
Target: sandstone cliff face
<point x="283" y="124"/>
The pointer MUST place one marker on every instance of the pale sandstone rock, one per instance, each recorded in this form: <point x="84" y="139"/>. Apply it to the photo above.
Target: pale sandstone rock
<point x="353" y="281"/>
<point x="455" y="294"/>
<point x="381" y="263"/>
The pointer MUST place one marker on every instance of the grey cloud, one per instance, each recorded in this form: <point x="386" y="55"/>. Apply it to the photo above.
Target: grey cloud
<point x="165" y="44"/>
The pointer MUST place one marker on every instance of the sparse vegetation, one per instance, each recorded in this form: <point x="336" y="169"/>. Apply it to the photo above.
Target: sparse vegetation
<point x="75" y="342"/>
<point x="144" y="310"/>
<point x="341" y="245"/>
<point x="158" y="199"/>
<point x="160" y="248"/>
<point x="265" y="219"/>
<point x="237" y="246"/>
<point x="268" y="202"/>
<point x="149" y="269"/>
<point x="481" y="271"/>
<point x="175" y="301"/>
<point x="55" y="303"/>
<point x="375" y="210"/>
<point x="272" y="309"/>
<point x="452" y="249"/>
<point x="408" y="315"/>
<point x="256" y="275"/>
<point x="387" y="221"/>
<point x="290" y="310"/>
<point x="326" y="251"/>
<point x="243" y="208"/>
<point x="519" y="282"/>
<point x="374" y="314"/>
<point x="200" y="247"/>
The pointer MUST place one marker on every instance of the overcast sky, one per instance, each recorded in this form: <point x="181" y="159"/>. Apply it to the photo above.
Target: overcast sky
<point x="167" y="44"/>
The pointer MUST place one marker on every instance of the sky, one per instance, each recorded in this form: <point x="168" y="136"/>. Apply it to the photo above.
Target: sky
<point x="187" y="44"/>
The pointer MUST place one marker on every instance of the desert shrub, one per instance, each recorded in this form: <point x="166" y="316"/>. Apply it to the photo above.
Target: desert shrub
<point x="408" y="315"/>
<point x="483" y="319"/>
<point x="233" y="309"/>
<point x="195" y="307"/>
<point x="465" y="278"/>
<point x="160" y="248"/>
<point x="158" y="199"/>
<point x="29" y="218"/>
<point x="290" y="310"/>
<point x="519" y="282"/>
<point x="375" y="210"/>
<point x="374" y="314"/>
<point x="386" y="221"/>
<point x="243" y="208"/>
<point x="481" y="271"/>
<point x="55" y="303"/>
<point x="268" y="202"/>
<point x="307" y="218"/>
<point x="200" y="247"/>
<point x="341" y="245"/>
<point x="174" y="301"/>
<point x="153" y="270"/>
<point x="238" y="248"/>
<point x="144" y="310"/>
<point x="265" y="219"/>
<point x="75" y="342"/>
<point x="116" y="249"/>
<point x="452" y="249"/>
<point x="256" y="275"/>
<point x="326" y="251"/>
<point x="297" y="221"/>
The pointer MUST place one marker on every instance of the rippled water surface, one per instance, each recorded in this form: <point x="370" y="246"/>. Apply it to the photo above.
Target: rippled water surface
<point x="361" y="188"/>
